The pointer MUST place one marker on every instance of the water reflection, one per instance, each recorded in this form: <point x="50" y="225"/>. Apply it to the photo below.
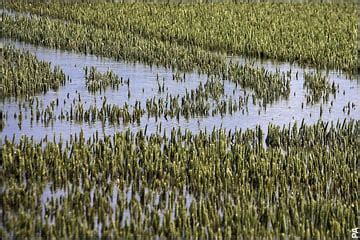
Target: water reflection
<point x="143" y="85"/>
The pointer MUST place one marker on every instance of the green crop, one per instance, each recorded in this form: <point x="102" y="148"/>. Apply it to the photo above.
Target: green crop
<point x="23" y="75"/>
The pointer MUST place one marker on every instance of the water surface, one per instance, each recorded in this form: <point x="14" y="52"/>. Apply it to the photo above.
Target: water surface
<point x="144" y="85"/>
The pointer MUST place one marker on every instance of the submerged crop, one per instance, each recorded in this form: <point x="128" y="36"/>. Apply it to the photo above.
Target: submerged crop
<point x="127" y="150"/>
<point x="23" y="75"/>
<point x="318" y="87"/>
<point x="96" y="81"/>
<point x="214" y="183"/>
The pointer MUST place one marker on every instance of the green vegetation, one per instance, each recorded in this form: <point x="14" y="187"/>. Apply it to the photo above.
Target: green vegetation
<point x="109" y="43"/>
<point x="321" y="35"/>
<point x="278" y="182"/>
<point x="205" y="185"/>
<point x="23" y="75"/>
<point x="318" y="87"/>
<point x="2" y="120"/>
<point x="96" y="81"/>
<point x="206" y="100"/>
<point x="267" y="86"/>
<point x="110" y="113"/>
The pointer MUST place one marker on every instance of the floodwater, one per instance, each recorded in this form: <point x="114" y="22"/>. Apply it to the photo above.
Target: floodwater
<point x="144" y="85"/>
<point x="126" y="194"/>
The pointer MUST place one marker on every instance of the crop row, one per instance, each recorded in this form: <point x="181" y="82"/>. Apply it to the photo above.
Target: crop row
<point x="96" y="81"/>
<point x="105" y="42"/>
<point x="109" y="43"/>
<point x="23" y="75"/>
<point x="268" y="86"/>
<point x="236" y="184"/>
<point x="321" y="35"/>
<point x="318" y="87"/>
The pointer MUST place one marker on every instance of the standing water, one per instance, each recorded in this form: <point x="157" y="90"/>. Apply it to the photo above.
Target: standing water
<point x="143" y="86"/>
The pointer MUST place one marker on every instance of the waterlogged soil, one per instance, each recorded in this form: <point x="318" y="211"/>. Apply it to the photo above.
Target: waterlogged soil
<point x="144" y="85"/>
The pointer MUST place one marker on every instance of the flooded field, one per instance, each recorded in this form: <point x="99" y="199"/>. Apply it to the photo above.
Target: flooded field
<point x="112" y="126"/>
<point x="144" y="85"/>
